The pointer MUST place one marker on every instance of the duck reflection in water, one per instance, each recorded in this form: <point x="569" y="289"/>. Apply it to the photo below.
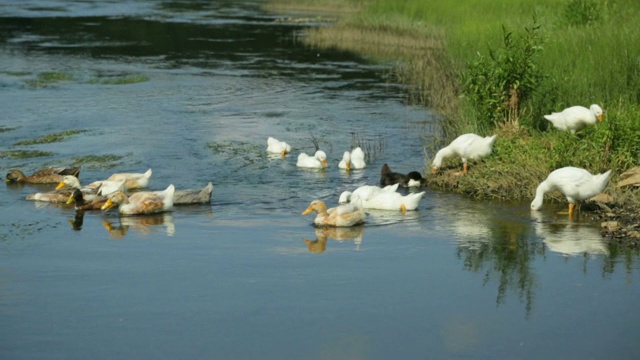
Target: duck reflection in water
<point x="569" y="238"/>
<point x="145" y="224"/>
<point x="319" y="245"/>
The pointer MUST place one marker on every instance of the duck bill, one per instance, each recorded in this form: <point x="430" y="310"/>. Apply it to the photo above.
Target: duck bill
<point x="70" y="200"/>
<point x="60" y="185"/>
<point x="348" y="166"/>
<point x="283" y="153"/>
<point x="600" y="117"/>
<point x="324" y="163"/>
<point x="107" y="205"/>
<point x="308" y="211"/>
<point x="434" y="170"/>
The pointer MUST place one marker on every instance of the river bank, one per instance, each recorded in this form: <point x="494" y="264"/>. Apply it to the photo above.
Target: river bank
<point x="437" y="61"/>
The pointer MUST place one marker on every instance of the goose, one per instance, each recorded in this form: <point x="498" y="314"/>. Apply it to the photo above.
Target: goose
<point x="50" y="175"/>
<point x="317" y="161"/>
<point x="133" y="180"/>
<point x="275" y="146"/>
<point x="388" y="177"/>
<point x="342" y="215"/>
<point x="143" y="202"/>
<point x="103" y="187"/>
<point x="576" y="184"/>
<point x="365" y="192"/>
<point x="390" y="200"/>
<point x="467" y="147"/>
<point x="193" y="196"/>
<point x="576" y="118"/>
<point x="353" y="160"/>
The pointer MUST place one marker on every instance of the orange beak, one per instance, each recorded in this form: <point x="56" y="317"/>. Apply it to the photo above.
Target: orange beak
<point x="601" y="117"/>
<point x="309" y="210"/>
<point x="284" y="153"/>
<point x="434" y="170"/>
<point x="324" y="163"/>
<point x="107" y="205"/>
<point x="61" y="185"/>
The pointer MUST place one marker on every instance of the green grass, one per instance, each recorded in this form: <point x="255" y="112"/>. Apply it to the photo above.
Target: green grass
<point x="121" y="80"/>
<point x="50" y="138"/>
<point x="97" y="162"/>
<point x="23" y="154"/>
<point x="47" y="78"/>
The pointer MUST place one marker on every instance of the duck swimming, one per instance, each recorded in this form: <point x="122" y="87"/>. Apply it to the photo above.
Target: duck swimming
<point x="51" y="175"/>
<point x="317" y="161"/>
<point x="143" y="202"/>
<point x="276" y="146"/>
<point x="388" y="177"/>
<point x="343" y="215"/>
<point x="353" y="160"/>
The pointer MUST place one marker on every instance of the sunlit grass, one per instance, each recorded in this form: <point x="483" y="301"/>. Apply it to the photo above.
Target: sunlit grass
<point x="47" y="78"/>
<point x="50" y="138"/>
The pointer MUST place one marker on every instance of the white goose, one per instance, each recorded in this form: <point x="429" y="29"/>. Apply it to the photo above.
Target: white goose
<point x="575" y="183"/>
<point x="133" y="180"/>
<point x="390" y="200"/>
<point x="103" y="187"/>
<point x="318" y="161"/>
<point x="575" y="118"/>
<point x="467" y="147"/>
<point x="365" y="192"/>
<point x="353" y="160"/>
<point x="275" y="146"/>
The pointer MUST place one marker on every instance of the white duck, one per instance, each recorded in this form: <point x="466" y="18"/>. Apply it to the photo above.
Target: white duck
<point x="365" y="192"/>
<point x="103" y="187"/>
<point x="575" y="118"/>
<point x="390" y="200"/>
<point x="575" y="183"/>
<point x="343" y="215"/>
<point x="353" y="160"/>
<point x="133" y="180"/>
<point x="467" y="147"/>
<point x="143" y="202"/>
<point x="317" y="161"/>
<point x="275" y="146"/>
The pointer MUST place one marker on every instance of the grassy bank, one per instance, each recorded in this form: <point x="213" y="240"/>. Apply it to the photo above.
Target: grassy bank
<point x="498" y="66"/>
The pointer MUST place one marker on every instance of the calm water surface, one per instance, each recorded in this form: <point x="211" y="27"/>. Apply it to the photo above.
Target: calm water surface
<point x="192" y="90"/>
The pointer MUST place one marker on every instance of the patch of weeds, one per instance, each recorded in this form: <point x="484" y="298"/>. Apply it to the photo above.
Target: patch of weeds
<point x="6" y="129"/>
<point x="233" y="150"/>
<point x="50" y="138"/>
<point x="23" y="154"/>
<point x="121" y="80"/>
<point x="97" y="162"/>
<point x="47" y="78"/>
<point x="582" y="12"/>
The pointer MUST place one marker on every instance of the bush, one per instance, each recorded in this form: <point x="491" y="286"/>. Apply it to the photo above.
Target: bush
<point x="582" y="12"/>
<point x="499" y="83"/>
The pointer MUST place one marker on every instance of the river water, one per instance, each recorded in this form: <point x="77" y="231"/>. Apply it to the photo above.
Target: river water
<point x="192" y="90"/>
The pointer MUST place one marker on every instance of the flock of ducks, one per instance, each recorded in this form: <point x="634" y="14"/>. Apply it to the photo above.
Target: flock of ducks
<point x="109" y="193"/>
<point x="575" y="183"/>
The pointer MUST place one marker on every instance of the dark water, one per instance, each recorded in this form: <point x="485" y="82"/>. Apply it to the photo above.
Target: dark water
<point x="192" y="90"/>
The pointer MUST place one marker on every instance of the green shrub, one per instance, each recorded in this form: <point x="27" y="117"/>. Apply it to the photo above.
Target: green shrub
<point x="582" y="12"/>
<point x="497" y="84"/>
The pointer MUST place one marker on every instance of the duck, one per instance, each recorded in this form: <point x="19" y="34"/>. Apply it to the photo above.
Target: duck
<point x="276" y="146"/>
<point x="317" y="161"/>
<point x="576" y="184"/>
<point x="391" y="200"/>
<point x="143" y="202"/>
<point x="133" y="180"/>
<point x="57" y="196"/>
<point x="343" y="215"/>
<point x="353" y="160"/>
<point x="51" y="175"/>
<point x="103" y="187"/>
<point x="388" y="177"/>
<point x="81" y="204"/>
<point x="365" y="192"/>
<point x="576" y="118"/>
<point x="193" y="196"/>
<point x="467" y="147"/>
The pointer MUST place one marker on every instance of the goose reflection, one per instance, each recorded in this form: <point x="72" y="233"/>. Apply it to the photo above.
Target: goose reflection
<point x="319" y="245"/>
<point x="569" y="238"/>
<point x="145" y="224"/>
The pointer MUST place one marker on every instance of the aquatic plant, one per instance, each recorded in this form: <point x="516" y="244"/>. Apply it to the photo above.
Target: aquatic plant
<point x="24" y="154"/>
<point x="50" y="138"/>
